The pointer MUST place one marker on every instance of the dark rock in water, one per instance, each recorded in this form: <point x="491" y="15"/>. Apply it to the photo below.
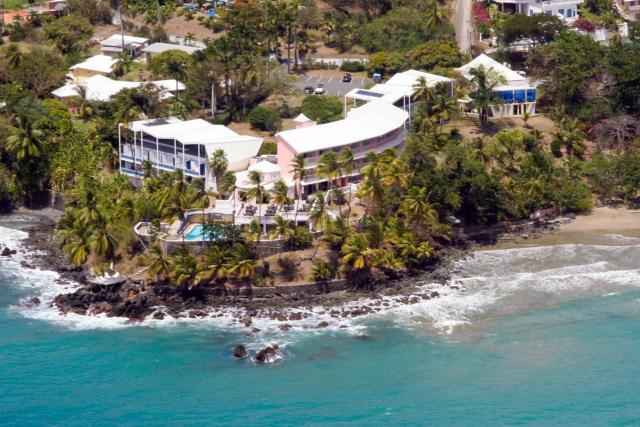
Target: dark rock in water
<point x="239" y="351"/>
<point x="267" y="354"/>
<point x="6" y="252"/>
<point x="246" y="321"/>
<point x="35" y="301"/>
<point x="285" y="327"/>
<point x="323" y="324"/>
<point x="435" y="294"/>
<point x="255" y="330"/>
<point x="158" y="315"/>
<point x="295" y="316"/>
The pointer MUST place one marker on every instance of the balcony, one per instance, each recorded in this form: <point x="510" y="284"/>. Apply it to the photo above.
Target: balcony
<point x="165" y="160"/>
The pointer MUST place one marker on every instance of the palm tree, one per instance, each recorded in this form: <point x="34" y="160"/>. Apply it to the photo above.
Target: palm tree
<point x="433" y="14"/>
<point x="14" y="55"/>
<point x="329" y="167"/>
<point x="282" y="229"/>
<point x="219" y="164"/>
<point x="257" y="192"/>
<point x="280" y="194"/>
<point x="416" y="207"/>
<point x="84" y="108"/>
<point x="348" y="164"/>
<point x="24" y="141"/>
<point x="299" y="172"/>
<point x="424" y="92"/>
<point x="322" y="271"/>
<point x="241" y="262"/>
<point x="176" y="68"/>
<point x="158" y="262"/>
<point x="103" y="240"/>
<point x="184" y="269"/>
<point x="571" y="137"/>
<point x="215" y="265"/>
<point x="319" y="211"/>
<point x="483" y="96"/>
<point x="189" y="38"/>
<point x="124" y="63"/>
<point x="356" y="255"/>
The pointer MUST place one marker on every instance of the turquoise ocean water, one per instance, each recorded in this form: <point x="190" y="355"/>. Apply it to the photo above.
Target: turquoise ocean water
<point x="535" y="336"/>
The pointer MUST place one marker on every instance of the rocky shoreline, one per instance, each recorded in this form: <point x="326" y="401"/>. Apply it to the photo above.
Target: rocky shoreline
<point x="138" y="301"/>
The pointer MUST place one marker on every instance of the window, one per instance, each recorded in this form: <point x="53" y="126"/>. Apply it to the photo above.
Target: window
<point x="561" y="12"/>
<point x="548" y="12"/>
<point x="569" y="13"/>
<point x="202" y="169"/>
<point x="188" y="165"/>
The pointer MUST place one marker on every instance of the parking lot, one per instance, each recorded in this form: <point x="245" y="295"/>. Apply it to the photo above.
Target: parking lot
<point x="334" y="84"/>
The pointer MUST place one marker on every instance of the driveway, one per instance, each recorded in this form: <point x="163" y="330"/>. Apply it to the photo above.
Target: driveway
<point x="462" y="25"/>
<point x="334" y="84"/>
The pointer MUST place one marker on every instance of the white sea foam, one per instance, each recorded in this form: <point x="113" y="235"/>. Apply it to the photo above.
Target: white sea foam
<point x="486" y="282"/>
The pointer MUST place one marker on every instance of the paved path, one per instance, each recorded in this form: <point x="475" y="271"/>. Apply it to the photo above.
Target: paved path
<point x="462" y="24"/>
<point x="335" y="86"/>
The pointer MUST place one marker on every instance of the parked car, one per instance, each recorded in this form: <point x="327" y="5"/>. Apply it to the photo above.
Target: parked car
<point x="320" y="89"/>
<point x="377" y="78"/>
<point x="309" y="90"/>
<point x="346" y="78"/>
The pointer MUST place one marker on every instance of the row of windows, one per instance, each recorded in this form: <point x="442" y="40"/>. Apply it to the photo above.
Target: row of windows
<point x="355" y="146"/>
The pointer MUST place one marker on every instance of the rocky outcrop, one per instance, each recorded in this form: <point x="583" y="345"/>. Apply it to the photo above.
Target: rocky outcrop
<point x="268" y="354"/>
<point x="239" y="351"/>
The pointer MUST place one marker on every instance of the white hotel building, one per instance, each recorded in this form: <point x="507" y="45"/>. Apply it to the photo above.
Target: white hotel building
<point x="566" y="10"/>
<point x="172" y="144"/>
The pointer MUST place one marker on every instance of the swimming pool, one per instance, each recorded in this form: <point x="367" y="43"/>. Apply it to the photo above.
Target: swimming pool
<point x="195" y="233"/>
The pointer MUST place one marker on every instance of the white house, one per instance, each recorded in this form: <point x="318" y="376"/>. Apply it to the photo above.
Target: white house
<point x="398" y="90"/>
<point x="172" y="144"/>
<point x="95" y="65"/>
<point x="101" y="88"/>
<point x="517" y="94"/>
<point x="113" y="45"/>
<point x="375" y="126"/>
<point x="158" y="48"/>
<point x="564" y="9"/>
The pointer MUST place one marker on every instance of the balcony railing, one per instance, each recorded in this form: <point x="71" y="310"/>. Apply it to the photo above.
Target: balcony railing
<point x="164" y="160"/>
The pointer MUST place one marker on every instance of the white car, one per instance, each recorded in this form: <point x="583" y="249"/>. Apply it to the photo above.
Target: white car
<point x="320" y="90"/>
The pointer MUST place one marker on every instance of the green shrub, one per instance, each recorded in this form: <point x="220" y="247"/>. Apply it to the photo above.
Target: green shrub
<point x="268" y="148"/>
<point x="574" y="196"/>
<point x="289" y="268"/>
<point x="222" y="118"/>
<point x="323" y="109"/>
<point x="264" y="119"/>
<point x="322" y="271"/>
<point x="556" y="148"/>
<point x="301" y="238"/>
<point x="352" y="66"/>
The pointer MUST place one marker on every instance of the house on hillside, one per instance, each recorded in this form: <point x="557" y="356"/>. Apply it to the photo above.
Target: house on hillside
<point x="518" y="95"/>
<point x="113" y="45"/>
<point x="375" y="126"/>
<point x="567" y="10"/>
<point x="172" y="144"/>
<point x="96" y="65"/>
<point x="101" y="88"/>
<point x="631" y="8"/>
<point x="158" y="48"/>
<point x="398" y="90"/>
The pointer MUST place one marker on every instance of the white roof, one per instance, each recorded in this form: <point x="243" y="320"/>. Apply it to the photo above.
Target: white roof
<point x="399" y="86"/>
<point x="200" y="132"/>
<point x="264" y="166"/>
<point x="99" y="63"/>
<point x="116" y="41"/>
<point x="369" y="121"/>
<point x="101" y="88"/>
<point x="302" y="118"/>
<point x="164" y="47"/>
<point x="512" y="78"/>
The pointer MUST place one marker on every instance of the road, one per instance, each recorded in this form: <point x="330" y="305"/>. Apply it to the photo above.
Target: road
<point x="462" y="24"/>
<point x="334" y="84"/>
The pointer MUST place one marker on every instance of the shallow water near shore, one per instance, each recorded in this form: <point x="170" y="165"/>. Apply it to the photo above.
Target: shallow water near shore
<point x="534" y="335"/>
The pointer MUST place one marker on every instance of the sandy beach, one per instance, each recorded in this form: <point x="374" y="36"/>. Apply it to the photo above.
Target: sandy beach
<point x="587" y="228"/>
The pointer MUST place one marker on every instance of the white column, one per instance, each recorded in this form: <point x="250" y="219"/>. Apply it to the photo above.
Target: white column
<point x="157" y="156"/>
<point x="120" y="147"/>
<point x="184" y="164"/>
<point x="175" y="155"/>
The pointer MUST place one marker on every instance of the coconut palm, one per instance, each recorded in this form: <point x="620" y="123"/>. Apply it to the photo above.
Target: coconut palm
<point x="483" y="96"/>
<point x="416" y="207"/>
<point x="176" y="68"/>
<point x="348" y="164"/>
<point x="280" y="194"/>
<point x="184" y="269"/>
<point x="322" y="271"/>
<point x="85" y="105"/>
<point x="159" y="264"/>
<point x="14" y="55"/>
<point x="424" y="92"/>
<point x="257" y="192"/>
<point x="434" y="16"/>
<point x="329" y="167"/>
<point x="124" y="63"/>
<point x="356" y="254"/>
<point x="215" y="265"/>
<point x="78" y="250"/>
<point x="241" y="262"/>
<point x="299" y="172"/>
<point x="24" y="140"/>
<point x="319" y="211"/>
<point x="104" y="239"/>
<point x="219" y="164"/>
<point x="282" y="229"/>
